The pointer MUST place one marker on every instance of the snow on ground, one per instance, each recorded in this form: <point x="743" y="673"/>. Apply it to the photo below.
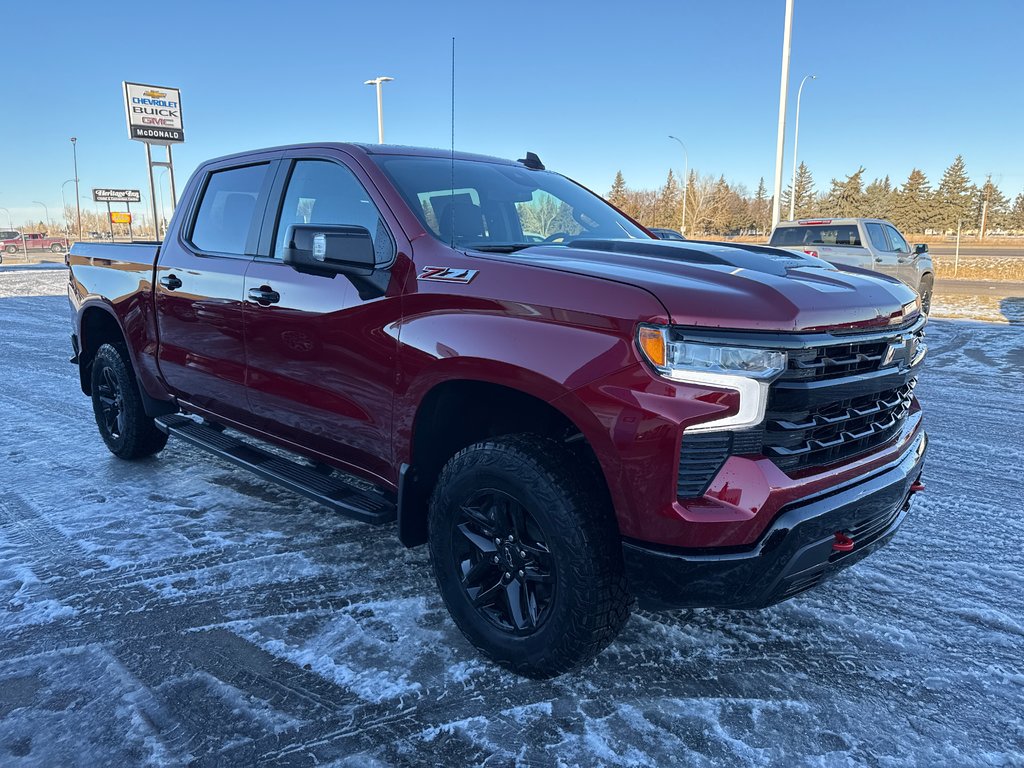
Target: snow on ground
<point x="178" y="610"/>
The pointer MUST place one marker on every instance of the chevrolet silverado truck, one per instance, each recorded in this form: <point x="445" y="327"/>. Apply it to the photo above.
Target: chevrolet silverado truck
<point x="873" y="244"/>
<point x="572" y="426"/>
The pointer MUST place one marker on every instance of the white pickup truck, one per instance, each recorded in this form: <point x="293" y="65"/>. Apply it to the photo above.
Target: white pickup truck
<point x="873" y="244"/>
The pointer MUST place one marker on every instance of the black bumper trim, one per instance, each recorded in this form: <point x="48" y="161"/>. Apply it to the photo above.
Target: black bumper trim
<point x="794" y="554"/>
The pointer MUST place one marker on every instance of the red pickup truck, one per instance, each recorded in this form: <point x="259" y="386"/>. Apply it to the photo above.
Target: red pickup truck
<point x="32" y="241"/>
<point x="568" y="424"/>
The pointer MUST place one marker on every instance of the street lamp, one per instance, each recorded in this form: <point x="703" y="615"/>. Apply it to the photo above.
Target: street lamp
<point x="47" y="212"/>
<point x="78" y="204"/>
<point x="686" y="179"/>
<point x="796" y="139"/>
<point x="379" y="81"/>
<point x="64" y="204"/>
<point x="780" y="142"/>
<point x="10" y="221"/>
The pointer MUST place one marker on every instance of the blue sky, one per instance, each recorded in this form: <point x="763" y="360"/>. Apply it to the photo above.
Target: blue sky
<point x="592" y="87"/>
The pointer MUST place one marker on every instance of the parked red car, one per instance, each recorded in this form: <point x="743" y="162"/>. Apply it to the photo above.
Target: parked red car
<point x="14" y="242"/>
<point x="567" y="424"/>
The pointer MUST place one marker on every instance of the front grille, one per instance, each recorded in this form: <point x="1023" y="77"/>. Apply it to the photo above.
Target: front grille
<point x="840" y="399"/>
<point x="841" y="429"/>
<point x="842" y="395"/>
<point x="834" y="361"/>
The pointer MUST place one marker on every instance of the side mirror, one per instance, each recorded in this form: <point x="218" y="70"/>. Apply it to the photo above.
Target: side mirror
<point x="329" y="249"/>
<point x="921" y="248"/>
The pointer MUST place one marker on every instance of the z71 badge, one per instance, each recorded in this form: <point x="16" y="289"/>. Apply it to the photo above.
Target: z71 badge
<point x="447" y="274"/>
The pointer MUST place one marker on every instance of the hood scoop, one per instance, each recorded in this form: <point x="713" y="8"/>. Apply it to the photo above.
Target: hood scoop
<point x="755" y="258"/>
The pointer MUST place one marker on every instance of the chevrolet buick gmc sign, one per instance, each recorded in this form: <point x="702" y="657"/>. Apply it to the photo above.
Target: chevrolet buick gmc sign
<point x="116" y="195"/>
<point x="154" y="113"/>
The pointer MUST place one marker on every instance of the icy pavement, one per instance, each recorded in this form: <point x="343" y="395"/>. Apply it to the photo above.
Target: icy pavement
<point x="179" y="611"/>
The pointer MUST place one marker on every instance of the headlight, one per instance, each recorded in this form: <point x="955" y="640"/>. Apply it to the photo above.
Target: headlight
<point x="746" y="370"/>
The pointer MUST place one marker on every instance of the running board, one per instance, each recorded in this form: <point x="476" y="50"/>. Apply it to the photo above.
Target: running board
<point x="326" y="489"/>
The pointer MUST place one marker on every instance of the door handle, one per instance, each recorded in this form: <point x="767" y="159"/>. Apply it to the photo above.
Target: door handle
<point x="170" y="282"/>
<point x="264" y="295"/>
<point x="878" y="259"/>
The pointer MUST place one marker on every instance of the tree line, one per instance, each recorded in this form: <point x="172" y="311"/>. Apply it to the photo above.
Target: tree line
<point x="716" y="207"/>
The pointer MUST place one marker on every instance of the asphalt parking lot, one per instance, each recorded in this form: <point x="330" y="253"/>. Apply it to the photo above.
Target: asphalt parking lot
<point x="180" y="611"/>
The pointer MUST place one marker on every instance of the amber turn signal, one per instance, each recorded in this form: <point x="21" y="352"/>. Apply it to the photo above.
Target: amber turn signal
<point x="652" y="344"/>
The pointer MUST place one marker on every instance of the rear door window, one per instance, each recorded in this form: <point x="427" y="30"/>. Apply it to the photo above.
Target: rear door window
<point x="227" y="210"/>
<point x="877" y="236"/>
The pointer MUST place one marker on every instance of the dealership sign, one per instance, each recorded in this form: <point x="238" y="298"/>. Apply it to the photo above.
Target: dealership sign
<point x="120" y="217"/>
<point x="116" y="195"/>
<point x="153" y="113"/>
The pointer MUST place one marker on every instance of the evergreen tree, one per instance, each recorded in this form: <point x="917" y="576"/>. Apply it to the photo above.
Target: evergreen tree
<point x="956" y="196"/>
<point x="914" y="206"/>
<point x="997" y="209"/>
<point x="669" y="204"/>
<point x="1016" y="217"/>
<point x="760" y="216"/>
<point x="879" y="199"/>
<point x="806" y="199"/>
<point x="617" y="195"/>
<point x="846" y="198"/>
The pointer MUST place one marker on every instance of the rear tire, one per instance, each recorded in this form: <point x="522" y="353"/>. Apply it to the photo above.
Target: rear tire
<point x="56" y="248"/>
<point x="124" y="426"/>
<point x="527" y="555"/>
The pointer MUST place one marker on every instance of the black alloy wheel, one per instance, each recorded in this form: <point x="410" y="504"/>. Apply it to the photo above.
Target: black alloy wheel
<point x="507" y="570"/>
<point x="111" y="398"/>
<point x="526" y="553"/>
<point x="117" y="405"/>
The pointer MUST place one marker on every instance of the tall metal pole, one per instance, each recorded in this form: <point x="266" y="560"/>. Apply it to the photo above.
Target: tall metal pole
<point x="780" y="144"/>
<point x="170" y="178"/>
<point x="64" y="203"/>
<point x="10" y="221"/>
<point x="379" y="81"/>
<point x="78" y="197"/>
<point x="152" y="191"/>
<point x="686" y="180"/>
<point x="796" y="140"/>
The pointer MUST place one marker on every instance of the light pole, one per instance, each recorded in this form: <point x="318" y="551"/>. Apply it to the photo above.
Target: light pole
<point x="379" y="81"/>
<point x="10" y="221"/>
<point x="78" y="198"/>
<point x="796" y="140"/>
<point x="47" y="212"/>
<point x="64" y="203"/>
<point x="686" y="180"/>
<point x="780" y="144"/>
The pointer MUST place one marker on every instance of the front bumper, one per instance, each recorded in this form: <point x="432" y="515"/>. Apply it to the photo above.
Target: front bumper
<point x="794" y="554"/>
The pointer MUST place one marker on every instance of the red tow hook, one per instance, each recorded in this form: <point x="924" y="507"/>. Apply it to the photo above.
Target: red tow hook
<point x="843" y="543"/>
<point x="917" y="487"/>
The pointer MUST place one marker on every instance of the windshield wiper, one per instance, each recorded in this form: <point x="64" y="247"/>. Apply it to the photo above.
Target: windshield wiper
<point x="500" y="247"/>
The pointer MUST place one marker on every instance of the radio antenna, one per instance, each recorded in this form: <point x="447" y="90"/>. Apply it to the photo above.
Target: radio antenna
<point x="451" y="199"/>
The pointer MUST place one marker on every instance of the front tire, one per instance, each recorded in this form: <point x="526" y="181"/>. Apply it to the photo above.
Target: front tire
<point x="527" y="555"/>
<point x="925" y="292"/>
<point x="124" y="426"/>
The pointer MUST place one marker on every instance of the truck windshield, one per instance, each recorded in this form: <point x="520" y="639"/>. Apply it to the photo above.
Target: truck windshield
<point x="493" y="206"/>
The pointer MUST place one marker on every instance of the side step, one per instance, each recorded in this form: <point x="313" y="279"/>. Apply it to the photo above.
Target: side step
<point x="327" y="489"/>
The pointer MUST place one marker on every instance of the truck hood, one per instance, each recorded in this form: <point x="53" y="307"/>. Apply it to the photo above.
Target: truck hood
<point x="715" y="285"/>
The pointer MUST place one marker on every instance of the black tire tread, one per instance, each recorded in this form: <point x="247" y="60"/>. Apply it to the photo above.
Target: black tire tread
<point x="602" y="600"/>
<point x="141" y="436"/>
